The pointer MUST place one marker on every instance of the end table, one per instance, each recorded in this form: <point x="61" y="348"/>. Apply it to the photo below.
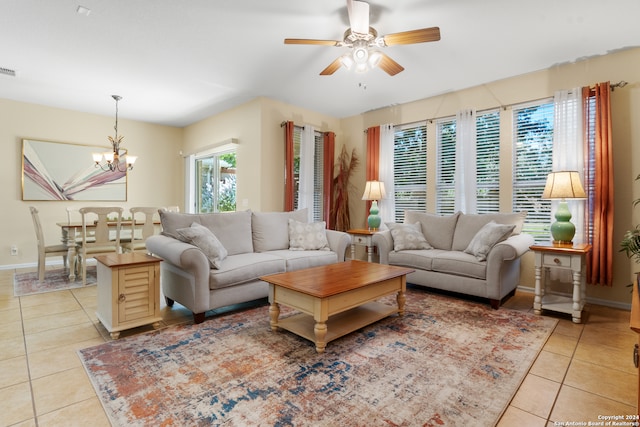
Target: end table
<point x="561" y="256"/>
<point x="362" y="237"/>
<point x="128" y="291"/>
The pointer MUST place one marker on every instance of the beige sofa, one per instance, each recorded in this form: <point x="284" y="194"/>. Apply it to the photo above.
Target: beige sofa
<point x="462" y="257"/>
<point x="207" y="273"/>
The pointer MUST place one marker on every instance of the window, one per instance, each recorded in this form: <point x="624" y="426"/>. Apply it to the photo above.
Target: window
<point x="533" y="139"/>
<point x="410" y="168"/>
<point x="215" y="182"/>
<point x="487" y="163"/>
<point x="318" y="170"/>
<point x="445" y="181"/>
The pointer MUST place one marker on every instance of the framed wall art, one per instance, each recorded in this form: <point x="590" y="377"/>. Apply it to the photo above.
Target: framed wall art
<point x="62" y="171"/>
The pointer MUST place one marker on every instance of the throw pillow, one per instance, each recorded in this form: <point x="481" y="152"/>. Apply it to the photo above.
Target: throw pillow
<point x="200" y="236"/>
<point x="307" y="236"/>
<point x="407" y="236"/>
<point x="487" y="237"/>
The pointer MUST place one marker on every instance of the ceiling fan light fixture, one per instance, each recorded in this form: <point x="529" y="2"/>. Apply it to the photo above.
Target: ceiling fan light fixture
<point x="362" y="68"/>
<point x="347" y="61"/>
<point x="374" y="58"/>
<point x="360" y="52"/>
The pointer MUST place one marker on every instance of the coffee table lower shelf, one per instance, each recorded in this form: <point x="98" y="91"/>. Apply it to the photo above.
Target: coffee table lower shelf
<point x="339" y="324"/>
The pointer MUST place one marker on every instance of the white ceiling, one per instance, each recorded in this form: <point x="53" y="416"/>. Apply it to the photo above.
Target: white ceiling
<point x="175" y="62"/>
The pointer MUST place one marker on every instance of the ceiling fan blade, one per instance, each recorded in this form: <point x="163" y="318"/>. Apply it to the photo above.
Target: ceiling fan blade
<point x="390" y="66"/>
<point x="332" y="68"/>
<point x="358" y="16"/>
<point x="415" y="36"/>
<point x="312" y="41"/>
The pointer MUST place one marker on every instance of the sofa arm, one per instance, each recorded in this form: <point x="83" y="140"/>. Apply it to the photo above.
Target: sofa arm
<point x="384" y="242"/>
<point x="339" y="241"/>
<point x="512" y="248"/>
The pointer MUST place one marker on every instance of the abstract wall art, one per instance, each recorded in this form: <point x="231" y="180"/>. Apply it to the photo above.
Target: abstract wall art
<point x="62" y="171"/>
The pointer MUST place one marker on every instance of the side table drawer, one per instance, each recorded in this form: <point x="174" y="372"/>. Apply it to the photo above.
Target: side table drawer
<point x="556" y="260"/>
<point x="361" y="240"/>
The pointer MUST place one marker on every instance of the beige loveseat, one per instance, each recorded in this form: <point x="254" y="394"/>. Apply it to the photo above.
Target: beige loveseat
<point x="209" y="273"/>
<point x="472" y="254"/>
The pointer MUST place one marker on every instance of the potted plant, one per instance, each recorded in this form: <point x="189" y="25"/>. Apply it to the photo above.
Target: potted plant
<point x="630" y="244"/>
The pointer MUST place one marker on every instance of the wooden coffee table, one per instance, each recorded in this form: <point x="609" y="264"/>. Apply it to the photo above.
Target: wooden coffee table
<point x="335" y="299"/>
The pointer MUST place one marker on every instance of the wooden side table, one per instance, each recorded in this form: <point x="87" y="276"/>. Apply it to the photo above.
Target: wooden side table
<point x="128" y="291"/>
<point x="362" y="237"/>
<point x="561" y="256"/>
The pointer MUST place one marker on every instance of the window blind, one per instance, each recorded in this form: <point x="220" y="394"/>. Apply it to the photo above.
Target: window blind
<point x="410" y="168"/>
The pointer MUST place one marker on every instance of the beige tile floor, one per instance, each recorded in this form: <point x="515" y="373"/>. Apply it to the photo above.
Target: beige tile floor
<point x="582" y="372"/>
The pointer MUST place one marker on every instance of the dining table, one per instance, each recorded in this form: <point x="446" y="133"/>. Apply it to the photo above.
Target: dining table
<point x="72" y="234"/>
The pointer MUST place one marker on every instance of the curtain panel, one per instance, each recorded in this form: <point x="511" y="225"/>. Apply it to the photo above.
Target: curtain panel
<point x="600" y="184"/>
<point x="466" y="194"/>
<point x="288" y="167"/>
<point x="385" y="173"/>
<point x="373" y="159"/>
<point x="329" y="153"/>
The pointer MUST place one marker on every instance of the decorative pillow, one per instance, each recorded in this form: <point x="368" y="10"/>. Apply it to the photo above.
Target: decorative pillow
<point x="486" y="238"/>
<point x="407" y="236"/>
<point x="307" y="236"/>
<point x="200" y="236"/>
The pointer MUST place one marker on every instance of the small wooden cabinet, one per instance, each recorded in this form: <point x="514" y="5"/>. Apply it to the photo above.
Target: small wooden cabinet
<point x="566" y="257"/>
<point x="128" y="291"/>
<point x="362" y="237"/>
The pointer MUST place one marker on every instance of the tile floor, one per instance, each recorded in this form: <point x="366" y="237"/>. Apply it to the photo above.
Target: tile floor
<point x="582" y="372"/>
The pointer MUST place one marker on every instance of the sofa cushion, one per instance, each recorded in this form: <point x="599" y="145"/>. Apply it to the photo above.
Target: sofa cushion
<point x="200" y="236"/>
<point x="296" y="260"/>
<point x="246" y="267"/>
<point x="407" y="236"/>
<point x="469" y="224"/>
<point x="418" y="259"/>
<point x="308" y="236"/>
<point x="437" y="229"/>
<point x="486" y="238"/>
<point x="233" y="229"/>
<point x="270" y="230"/>
<point x="459" y="264"/>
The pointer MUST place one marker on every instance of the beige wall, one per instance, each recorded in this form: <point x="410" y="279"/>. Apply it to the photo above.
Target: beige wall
<point x="256" y="126"/>
<point x="157" y="148"/>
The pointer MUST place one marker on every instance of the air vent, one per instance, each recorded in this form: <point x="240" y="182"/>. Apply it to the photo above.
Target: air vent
<point x="7" y="72"/>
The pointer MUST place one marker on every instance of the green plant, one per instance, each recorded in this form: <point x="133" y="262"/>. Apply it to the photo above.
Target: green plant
<point x="630" y="244"/>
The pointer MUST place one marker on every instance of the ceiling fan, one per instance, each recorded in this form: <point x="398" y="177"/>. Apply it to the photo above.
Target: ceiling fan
<point x="365" y="42"/>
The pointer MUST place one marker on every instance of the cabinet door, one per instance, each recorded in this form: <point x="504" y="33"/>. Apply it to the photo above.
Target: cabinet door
<point x="136" y="293"/>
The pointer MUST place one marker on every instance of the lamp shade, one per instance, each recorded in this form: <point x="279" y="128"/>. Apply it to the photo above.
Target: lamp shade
<point x="374" y="190"/>
<point x="563" y="185"/>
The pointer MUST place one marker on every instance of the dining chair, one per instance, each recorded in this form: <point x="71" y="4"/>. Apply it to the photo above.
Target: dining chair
<point x="140" y="230"/>
<point x="45" y="251"/>
<point x="96" y="238"/>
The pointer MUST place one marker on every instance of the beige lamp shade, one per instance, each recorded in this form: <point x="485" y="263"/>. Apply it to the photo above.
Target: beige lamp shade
<point x="564" y="185"/>
<point x="374" y="190"/>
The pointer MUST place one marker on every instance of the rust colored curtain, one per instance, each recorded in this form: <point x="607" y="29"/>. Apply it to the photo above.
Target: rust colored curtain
<point x="373" y="158"/>
<point x="327" y="176"/>
<point x="599" y="176"/>
<point x="288" y="167"/>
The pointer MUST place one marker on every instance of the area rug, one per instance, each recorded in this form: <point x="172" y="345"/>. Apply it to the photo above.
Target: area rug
<point x="446" y="362"/>
<point x="54" y="280"/>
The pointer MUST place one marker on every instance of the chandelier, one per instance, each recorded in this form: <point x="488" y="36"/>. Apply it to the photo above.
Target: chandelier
<point x="112" y="158"/>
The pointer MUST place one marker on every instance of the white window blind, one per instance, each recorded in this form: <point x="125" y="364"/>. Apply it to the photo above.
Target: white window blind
<point x="410" y="168"/>
<point x="318" y="171"/>
<point x="533" y="139"/>
<point x="445" y="174"/>
<point x="488" y="161"/>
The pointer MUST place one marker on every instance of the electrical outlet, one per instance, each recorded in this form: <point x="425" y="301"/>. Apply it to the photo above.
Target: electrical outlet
<point x="14" y="250"/>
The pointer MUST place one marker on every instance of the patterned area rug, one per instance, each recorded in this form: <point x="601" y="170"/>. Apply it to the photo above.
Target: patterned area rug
<point x="447" y="362"/>
<point x="54" y="280"/>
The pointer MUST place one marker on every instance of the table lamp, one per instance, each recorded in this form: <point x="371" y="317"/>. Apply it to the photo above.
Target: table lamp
<point x="374" y="191"/>
<point x="563" y="185"/>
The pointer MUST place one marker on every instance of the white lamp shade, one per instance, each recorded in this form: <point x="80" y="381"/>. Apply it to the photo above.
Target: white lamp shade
<point x="374" y="190"/>
<point x="564" y="185"/>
